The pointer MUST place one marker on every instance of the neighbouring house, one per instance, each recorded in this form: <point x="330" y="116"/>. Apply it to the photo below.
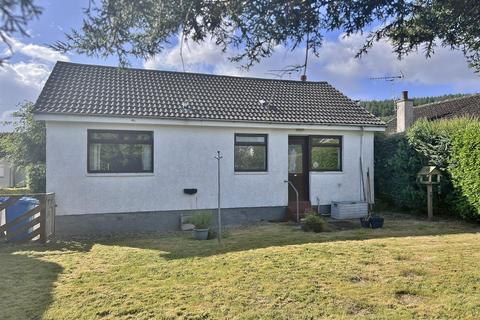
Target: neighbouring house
<point x="132" y="150"/>
<point x="10" y="175"/>
<point x="407" y="114"/>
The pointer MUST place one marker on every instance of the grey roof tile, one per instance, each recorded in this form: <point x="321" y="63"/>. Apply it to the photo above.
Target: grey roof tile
<point x="452" y="108"/>
<point x="110" y="91"/>
<point x="457" y="107"/>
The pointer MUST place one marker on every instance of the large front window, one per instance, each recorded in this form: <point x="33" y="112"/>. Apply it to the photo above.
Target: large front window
<point x="326" y="153"/>
<point x="250" y="152"/>
<point x="118" y="151"/>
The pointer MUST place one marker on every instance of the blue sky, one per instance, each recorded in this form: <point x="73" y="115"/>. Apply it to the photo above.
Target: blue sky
<point x="447" y="72"/>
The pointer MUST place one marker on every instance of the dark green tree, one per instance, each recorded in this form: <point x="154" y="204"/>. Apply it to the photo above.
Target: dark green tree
<point x="141" y="29"/>
<point x="26" y="144"/>
<point x="14" y="18"/>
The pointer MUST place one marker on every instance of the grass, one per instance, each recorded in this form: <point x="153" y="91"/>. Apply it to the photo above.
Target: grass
<point x="10" y="191"/>
<point x="410" y="269"/>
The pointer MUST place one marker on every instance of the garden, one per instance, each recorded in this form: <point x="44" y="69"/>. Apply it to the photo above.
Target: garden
<point x="453" y="146"/>
<point x="411" y="268"/>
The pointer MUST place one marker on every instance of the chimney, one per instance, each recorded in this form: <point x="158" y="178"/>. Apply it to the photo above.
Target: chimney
<point x="303" y="77"/>
<point x="404" y="112"/>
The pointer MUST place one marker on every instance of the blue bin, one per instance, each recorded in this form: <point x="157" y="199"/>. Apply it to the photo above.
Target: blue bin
<point x="22" y="205"/>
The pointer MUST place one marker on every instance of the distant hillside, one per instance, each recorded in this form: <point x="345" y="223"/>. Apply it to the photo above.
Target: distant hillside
<point x="385" y="109"/>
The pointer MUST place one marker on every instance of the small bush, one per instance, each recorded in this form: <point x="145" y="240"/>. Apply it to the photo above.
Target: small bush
<point x="313" y="222"/>
<point x="36" y="181"/>
<point x="201" y="219"/>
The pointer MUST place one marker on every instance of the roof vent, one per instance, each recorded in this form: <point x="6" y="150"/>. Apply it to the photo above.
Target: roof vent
<point x="269" y="106"/>
<point x="272" y="107"/>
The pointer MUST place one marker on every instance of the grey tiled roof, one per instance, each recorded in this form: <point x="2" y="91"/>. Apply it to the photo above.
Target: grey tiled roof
<point x="109" y="91"/>
<point x="464" y="106"/>
<point x="451" y="108"/>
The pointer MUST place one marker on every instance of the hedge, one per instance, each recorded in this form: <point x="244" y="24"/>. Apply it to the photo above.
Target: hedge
<point x="396" y="165"/>
<point x="35" y="175"/>
<point x="452" y="145"/>
<point x="464" y="167"/>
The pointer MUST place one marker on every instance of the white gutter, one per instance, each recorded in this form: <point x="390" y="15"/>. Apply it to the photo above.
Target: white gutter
<point x="201" y="123"/>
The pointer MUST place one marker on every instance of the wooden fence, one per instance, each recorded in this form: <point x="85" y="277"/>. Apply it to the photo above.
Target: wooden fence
<point x="36" y="224"/>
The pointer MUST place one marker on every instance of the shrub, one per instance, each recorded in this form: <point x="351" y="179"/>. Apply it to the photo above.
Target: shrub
<point x="201" y="219"/>
<point x="452" y="145"/>
<point x="464" y="167"/>
<point x="313" y="222"/>
<point x="432" y="139"/>
<point x="36" y="181"/>
<point x="396" y="167"/>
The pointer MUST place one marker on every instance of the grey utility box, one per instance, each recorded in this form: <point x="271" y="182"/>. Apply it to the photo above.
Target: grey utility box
<point x="349" y="209"/>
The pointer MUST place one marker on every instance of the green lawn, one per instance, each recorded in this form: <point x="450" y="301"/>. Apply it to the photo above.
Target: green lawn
<point x="410" y="269"/>
<point x="10" y="191"/>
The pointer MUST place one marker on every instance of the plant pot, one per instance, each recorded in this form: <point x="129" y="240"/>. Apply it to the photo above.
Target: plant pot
<point x="365" y="222"/>
<point x="376" y="222"/>
<point x="200" y="234"/>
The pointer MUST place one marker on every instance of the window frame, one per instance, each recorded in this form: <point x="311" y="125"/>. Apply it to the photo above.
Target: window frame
<point x="89" y="141"/>
<point x="311" y="145"/>
<point x="235" y="143"/>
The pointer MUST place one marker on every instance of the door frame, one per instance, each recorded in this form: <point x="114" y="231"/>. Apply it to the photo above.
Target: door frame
<point x="306" y="163"/>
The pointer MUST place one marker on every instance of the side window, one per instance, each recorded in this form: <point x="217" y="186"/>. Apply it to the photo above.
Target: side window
<point x="326" y="153"/>
<point x="119" y="151"/>
<point x="250" y="152"/>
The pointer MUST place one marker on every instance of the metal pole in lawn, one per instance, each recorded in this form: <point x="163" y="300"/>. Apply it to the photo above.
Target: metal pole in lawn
<point x="219" y="215"/>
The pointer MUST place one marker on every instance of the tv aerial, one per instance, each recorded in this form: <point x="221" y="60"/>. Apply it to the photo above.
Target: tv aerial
<point x="389" y="78"/>
<point x="392" y="79"/>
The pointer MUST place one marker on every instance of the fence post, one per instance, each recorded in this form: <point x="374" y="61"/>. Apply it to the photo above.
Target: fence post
<point x="43" y="218"/>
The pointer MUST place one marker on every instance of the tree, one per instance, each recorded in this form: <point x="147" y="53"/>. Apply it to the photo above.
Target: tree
<point x="14" y="18"/>
<point x="141" y="29"/>
<point x="26" y="144"/>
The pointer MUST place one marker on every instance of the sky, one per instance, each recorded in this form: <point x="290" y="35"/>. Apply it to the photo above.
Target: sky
<point x="24" y="75"/>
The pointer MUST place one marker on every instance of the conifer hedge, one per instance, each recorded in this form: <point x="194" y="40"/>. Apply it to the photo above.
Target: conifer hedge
<point x="452" y="145"/>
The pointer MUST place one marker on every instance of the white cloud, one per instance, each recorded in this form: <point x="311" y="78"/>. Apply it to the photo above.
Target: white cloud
<point x="336" y="63"/>
<point x="197" y="57"/>
<point x="20" y="82"/>
<point x="36" y="51"/>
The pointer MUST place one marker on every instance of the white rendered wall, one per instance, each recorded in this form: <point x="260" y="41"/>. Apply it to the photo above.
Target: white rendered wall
<point x="346" y="185"/>
<point x="184" y="158"/>
<point x="5" y="176"/>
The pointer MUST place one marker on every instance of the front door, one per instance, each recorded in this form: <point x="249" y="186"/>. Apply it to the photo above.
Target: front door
<point x="298" y="167"/>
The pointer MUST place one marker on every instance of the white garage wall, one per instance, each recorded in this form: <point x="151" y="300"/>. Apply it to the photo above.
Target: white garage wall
<point x="184" y="158"/>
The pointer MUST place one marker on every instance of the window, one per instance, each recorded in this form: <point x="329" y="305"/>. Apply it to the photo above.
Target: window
<point x="326" y="153"/>
<point x="250" y="152"/>
<point x="120" y="151"/>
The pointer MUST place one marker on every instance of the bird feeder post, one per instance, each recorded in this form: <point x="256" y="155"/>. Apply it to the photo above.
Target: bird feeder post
<point x="429" y="176"/>
<point x="430" y="201"/>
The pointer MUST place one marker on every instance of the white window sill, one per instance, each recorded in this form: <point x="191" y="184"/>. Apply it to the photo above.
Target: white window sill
<point x="326" y="172"/>
<point x="249" y="173"/>
<point x="140" y="174"/>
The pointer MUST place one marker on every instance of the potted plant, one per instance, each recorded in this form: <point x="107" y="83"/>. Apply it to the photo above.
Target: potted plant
<point x="376" y="222"/>
<point x="202" y="221"/>
<point x="371" y="221"/>
<point x="365" y="221"/>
